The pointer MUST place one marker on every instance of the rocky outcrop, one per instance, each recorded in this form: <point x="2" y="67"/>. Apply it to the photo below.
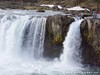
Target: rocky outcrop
<point x="56" y="30"/>
<point x="40" y="10"/>
<point x="90" y="31"/>
<point x="55" y="8"/>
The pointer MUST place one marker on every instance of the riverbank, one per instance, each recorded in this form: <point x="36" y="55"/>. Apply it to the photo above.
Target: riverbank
<point x="35" y="5"/>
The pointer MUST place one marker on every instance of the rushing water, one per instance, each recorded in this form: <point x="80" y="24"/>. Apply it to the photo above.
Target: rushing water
<point x="12" y="36"/>
<point x="71" y="53"/>
<point x="21" y="46"/>
<point x="34" y="37"/>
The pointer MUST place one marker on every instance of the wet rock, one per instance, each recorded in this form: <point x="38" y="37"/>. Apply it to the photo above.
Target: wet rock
<point x="90" y="31"/>
<point x="56" y="30"/>
<point x="55" y="8"/>
<point x="41" y="10"/>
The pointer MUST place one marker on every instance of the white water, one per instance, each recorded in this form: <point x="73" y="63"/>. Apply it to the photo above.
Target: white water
<point x="28" y="12"/>
<point x="21" y="46"/>
<point x="71" y="54"/>
<point x="34" y="39"/>
<point x="12" y="33"/>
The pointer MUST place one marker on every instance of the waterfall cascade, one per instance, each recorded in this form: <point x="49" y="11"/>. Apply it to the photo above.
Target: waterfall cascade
<point x="22" y="34"/>
<point x="23" y="37"/>
<point x="71" y="53"/>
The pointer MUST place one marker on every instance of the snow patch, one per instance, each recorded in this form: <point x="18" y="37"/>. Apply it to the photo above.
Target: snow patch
<point x="51" y="5"/>
<point x="77" y="8"/>
<point x="60" y="7"/>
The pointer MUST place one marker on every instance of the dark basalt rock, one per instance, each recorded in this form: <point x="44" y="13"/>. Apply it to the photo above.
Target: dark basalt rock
<point x="55" y="8"/>
<point x="56" y="30"/>
<point x="41" y="10"/>
<point x="90" y="31"/>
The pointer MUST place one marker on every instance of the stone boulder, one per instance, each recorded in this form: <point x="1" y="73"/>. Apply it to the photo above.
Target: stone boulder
<point x="40" y="10"/>
<point x="56" y="30"/>
<point x="90" y="31"/>
<point x="55" y="8"/>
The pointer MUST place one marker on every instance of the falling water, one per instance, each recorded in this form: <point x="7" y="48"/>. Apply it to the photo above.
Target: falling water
<point x="34" y="37"/>
<point x="71" y="53"/>
<point x="22" y="37"/>
<point x="14" y="30"/>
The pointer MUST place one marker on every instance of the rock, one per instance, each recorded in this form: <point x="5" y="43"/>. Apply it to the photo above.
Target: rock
<point x="55" y="8"/>
<point x="41" y="10"/>
<point x="90" y="31"/>
<point x="56" y="30"/>
<point x="82" y="15"/>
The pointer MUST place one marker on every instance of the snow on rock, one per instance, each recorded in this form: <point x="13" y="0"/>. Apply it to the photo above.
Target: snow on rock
<point x="77" y="8"/>
<point x="51" y="6"/>
<point x="60" y="7"/>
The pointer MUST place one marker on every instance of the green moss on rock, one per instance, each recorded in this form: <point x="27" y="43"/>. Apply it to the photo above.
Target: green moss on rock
<point x="57" y="39"/>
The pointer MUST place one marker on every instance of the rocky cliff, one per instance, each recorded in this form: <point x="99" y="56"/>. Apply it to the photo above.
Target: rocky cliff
<point x="90" y="30"/>
<point x="56" y="30"/>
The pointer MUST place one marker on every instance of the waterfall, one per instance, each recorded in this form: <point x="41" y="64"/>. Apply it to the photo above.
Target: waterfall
<point x="22" y="34"/>
<point x="34" y="37"/>
<point x="22" y="37"/>
<point x="71" y="52"/>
